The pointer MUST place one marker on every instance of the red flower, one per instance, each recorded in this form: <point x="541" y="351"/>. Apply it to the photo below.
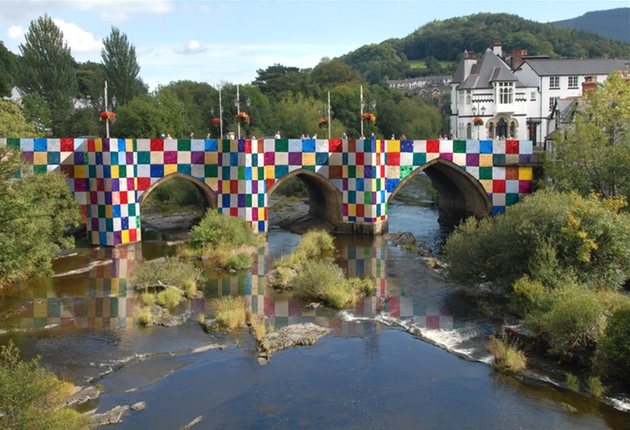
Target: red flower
<point x="216" y="121"/>
<point x="323" y="122"/>
<point x="478" y="121"/>
<point x="243" y="116"/>
<point x="369" y="117"/>
<point x="107" y="115"/>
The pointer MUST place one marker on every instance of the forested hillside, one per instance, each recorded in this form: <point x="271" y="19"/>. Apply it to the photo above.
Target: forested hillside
<point x="613" y="24"/>
<point x="446" y="40"/>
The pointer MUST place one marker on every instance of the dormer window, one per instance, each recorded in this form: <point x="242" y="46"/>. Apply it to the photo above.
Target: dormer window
<point x="506" y="92"/>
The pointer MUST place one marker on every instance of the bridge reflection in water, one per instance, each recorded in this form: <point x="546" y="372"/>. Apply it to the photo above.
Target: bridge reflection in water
<point x="96" y="295"/>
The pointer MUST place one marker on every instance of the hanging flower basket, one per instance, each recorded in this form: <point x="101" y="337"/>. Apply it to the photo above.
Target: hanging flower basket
<point x="243" y="117"/>
<point x="107" y="115"/>
<point x="216" y="121"/>
<point x="368" y="116"/>
<point x="323" y="122"/>
<point x="478" y="121"/>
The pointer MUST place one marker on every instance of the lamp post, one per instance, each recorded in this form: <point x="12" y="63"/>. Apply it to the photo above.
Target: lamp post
<point x="102" y="103"/>
<point x="362" y="106"/>
<point x="373" y="103"/>
<point x="220" y="113"/>
<point x="237" y="103"/>
<point x="482" y="111"/>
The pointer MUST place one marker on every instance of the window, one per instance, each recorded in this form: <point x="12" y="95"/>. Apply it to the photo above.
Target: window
<point x="491" y="130"/>
<point x="573" y="81"/>
<point x="506" y="92"/>
<point x="552" y="102"/>
<point x="532" y="96"/>
<point x="468" y="97"/>
<point x="469" y="131"/>
<point x="554" y="82"/>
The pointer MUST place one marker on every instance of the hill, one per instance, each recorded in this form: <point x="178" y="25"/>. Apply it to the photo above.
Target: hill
<point x="613" y="24"/>
<point x="446" y="41"/>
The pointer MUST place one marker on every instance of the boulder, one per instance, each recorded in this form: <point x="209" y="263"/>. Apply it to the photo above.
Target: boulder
<point x="82" y="396"/>
<point x="288" y="337"/>
<point x="139" y="407"/>
<point x="110" y="417"/>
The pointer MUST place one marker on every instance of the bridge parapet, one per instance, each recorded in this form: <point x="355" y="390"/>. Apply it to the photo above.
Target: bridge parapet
<point x="109" y="176"/>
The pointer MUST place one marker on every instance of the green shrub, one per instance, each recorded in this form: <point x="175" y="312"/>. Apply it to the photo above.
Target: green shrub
<point x="293" y="187"/>
<point x="315" y="244"/>
<point x="172" y="271"/>
<point x="552" y="237"/>
<point x="216" y="230"/>
<point x="176" y="192"/>
<point x="238" y="261"/>
<point x="571" y="318"/>
<point x="148" y="299"/>
<point x="229" y="311"/>
<point x="30" y="396"/>
<point x="323" y="280"/>
<point x="507" y="355"/>
<point x="573" y="382"/>
<point x="612" y="357"/>
<point x="595" y="386"/>
<point x="169" y="298"/>
<point x="528" y="295"/>
<point x="190" y="289"/>
<point x="145" y="317"/>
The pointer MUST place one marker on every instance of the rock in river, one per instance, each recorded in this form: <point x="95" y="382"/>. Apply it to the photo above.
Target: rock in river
<point x="288" y="337"/>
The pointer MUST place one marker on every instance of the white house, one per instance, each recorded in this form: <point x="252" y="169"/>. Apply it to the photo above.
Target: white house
<point x="519" y="103"/>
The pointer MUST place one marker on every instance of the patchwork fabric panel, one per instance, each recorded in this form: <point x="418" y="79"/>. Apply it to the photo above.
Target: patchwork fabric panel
<point x="108" y="176"/>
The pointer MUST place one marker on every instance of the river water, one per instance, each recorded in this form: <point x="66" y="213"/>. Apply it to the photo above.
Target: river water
<point x="411" y="356"/>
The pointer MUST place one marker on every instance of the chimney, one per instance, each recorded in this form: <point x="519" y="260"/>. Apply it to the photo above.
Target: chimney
<point x="589" y="84"/>
<point x="469" y="62"/>
<point x="517" y="58"/>
<point x="497" y="49"/>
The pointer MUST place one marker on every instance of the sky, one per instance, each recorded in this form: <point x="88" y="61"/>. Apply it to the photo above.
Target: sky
<point x="228" y="41"/>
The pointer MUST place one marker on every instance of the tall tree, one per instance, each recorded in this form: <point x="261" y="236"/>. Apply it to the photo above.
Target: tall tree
<point x="593" y="153"/>
<point x="47" y="69"/>
<point x="121" y="67"/>
<point x="12" y="122"/>
<point x="35" y="212"/>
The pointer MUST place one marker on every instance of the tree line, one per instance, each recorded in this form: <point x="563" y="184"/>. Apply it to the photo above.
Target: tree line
<point x="281" y="98"/>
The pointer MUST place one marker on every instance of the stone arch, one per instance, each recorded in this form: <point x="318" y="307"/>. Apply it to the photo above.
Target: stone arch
<point x="208" y="197"/>
<point x="325" y="200"/>
<point x="460" y="194"/>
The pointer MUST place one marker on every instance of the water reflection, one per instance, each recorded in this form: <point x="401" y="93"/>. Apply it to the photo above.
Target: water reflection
<point x="92" y="292"/>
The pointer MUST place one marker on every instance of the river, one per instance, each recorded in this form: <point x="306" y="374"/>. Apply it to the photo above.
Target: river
<point x="411" y="356"/>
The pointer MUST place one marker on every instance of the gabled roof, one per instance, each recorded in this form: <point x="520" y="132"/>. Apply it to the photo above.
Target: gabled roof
<point x="489" y="69"/>
<point x="566" y="67"/>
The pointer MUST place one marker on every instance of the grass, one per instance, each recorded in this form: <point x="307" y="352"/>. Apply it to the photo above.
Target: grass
<point x="507" y="355"/>
<point x="573" y="382"/>
<point x="230" y="243"/>
<point x="315" y="244"/>
<point x="229" y="311"/>
<point x="323" y="280"/>
<point x="169" y="298"/>
<point x="595" y="386"/>
<point x="144" y="317"/>
<point x="420" y="64"/>
<point x="172" y="271"/>
<point x="148" y="299"/>
<point x="258" y="326"/>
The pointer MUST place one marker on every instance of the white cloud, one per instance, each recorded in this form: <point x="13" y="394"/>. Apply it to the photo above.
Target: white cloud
<point x="192" y="48"/>
<point x="16" y="32"/>
<point x="79" y="40"/>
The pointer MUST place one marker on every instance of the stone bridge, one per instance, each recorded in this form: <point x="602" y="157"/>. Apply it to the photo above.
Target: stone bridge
<point x="350" y="182"/>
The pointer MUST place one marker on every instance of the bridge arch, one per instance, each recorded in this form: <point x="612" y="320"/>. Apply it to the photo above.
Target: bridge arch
<point x="460" y="194"/>
<point x="325" y="200"/>
<point x="208" y="197"/>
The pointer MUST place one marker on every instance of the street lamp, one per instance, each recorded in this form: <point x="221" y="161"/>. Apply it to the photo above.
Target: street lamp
<point x="102" y="103"/>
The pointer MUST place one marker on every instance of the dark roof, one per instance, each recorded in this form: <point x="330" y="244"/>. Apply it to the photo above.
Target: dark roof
<point x="489" y="69"/>
<point x="564" y="67"/>
<point x="458" y="77"/>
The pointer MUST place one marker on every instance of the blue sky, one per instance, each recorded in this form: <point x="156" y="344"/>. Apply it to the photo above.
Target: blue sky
<point x="227" y="41"/>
